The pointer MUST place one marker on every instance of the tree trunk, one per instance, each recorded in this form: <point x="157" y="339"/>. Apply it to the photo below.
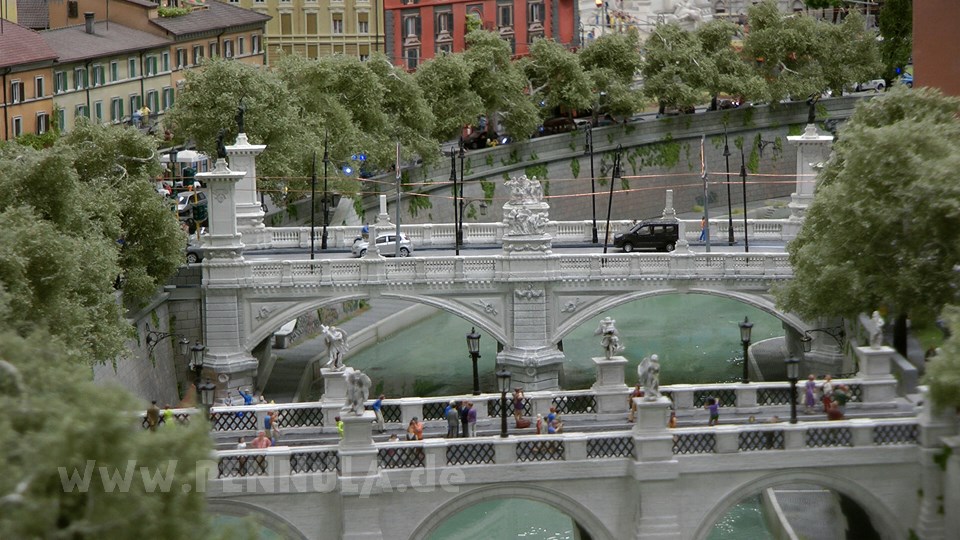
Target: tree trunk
<point x="713" y="102"/>
<point x="663" y="107"/>
<point x="900" y="334"/>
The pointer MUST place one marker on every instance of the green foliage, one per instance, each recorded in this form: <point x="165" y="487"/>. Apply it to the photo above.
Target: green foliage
<point x="575" y="167"/>
<point x="489" y="188"/>
<point x="674" y="67"/>
<point x="489" y="160"/>
<point x="723" y="70"/>
<point x="896" y="27"/>
<point x="611" y="62"/>
<point x="358" y="206"/>
<point x="172" y="11"/>
<point x="883" y="228"/>
<point x="784" y="51"/>
<point x="794" y="130"/>
<point x="555" y="77"/>
<point x="39" y="142"/>
<point x="538" y="171"/>
<point x="500" y="83"/>
<point x="534" y="156"/>
<point x="942" y="457"/>
<point x="417" y="202"/>
<point x="847" y="53"/>
<point x="943" y="370"/>
<point x="48" y="438"/>
<point x="473" y="23"/>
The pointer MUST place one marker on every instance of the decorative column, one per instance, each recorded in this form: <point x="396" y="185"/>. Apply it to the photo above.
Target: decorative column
<point x="243" y="157"/>
<point x="334" y="395"/>
<point x="226" y="360"/>
<point x="610" y="388"/>
<point x="813" y="150"/>
<point x="939" y="481"/>
<point x="532" y="358"/>
<point x="655" y="471"/>
<point x="359" y="483"/>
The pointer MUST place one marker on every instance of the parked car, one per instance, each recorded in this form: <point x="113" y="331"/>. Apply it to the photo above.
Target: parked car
<point x="554" y="126"/>
<point x="877" y="85"/>
<point x="477" y="140"/>
<point x="907" y="80"/>
<point x="385" y="244"/>
<point x="657" y="234"/>
<point x="194" y="253"/>
<point x="187" y="200"/>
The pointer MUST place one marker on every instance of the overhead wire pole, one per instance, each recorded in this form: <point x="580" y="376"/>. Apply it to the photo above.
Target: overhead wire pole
<point x="726" y="157"/>
<point x="613" y="178"/>
<point x="313" y="206"/>
<point x="453" y="180"/>
<point x="706" y="199"/>
<point x="593" y="186"/>
<point x="743" y="177"/>
<point x="396" y="246"/>
<point x="326" y="215"/>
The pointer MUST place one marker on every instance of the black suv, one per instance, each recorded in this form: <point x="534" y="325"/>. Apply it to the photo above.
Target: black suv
<point x="658" y="234"/>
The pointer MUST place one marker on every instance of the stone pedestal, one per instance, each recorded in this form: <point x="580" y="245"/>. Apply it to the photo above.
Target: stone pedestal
<point x="537" y="369"/>
<point x="359" y="478"/>
<point x="334" y="395"/>
<point x="878" y="384"/>
<point x="243" y="157"/>
<point x="652" y="439"/>
<point x="610" y="388"/>
<point x="813" y="150"/>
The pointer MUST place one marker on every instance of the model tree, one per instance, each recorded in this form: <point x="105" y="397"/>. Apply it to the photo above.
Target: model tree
<point x="556" y="80"/>
<point x="445" y="82"/>
<point x="847" y="53"/>
<point x="674" y="67"/>
<point x="943" y="370"/>
<point x="729" y="74"/>
<point x="896" y="27"/>
<point x="612" y="62"/>
<point x="884" y="226"/>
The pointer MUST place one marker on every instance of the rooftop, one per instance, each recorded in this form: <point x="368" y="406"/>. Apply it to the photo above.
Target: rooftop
<point x="19" y="45"/>
<point x="215" y="16"/>
<point x="33" y="14"/>
<point x="74" y="43"/>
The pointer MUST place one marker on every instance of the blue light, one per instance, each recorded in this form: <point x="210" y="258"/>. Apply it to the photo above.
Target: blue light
<point x="353" y="157"/>
<point x="348" y="170"/>
<point x="362" y="157"/>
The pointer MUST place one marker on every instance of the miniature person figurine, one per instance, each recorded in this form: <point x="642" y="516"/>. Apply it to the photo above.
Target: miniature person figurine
<point x="611" y="338"/>
<point x="221" y="149"/>
<point x="336" y="342"/>
<point x="358" y="389"/>
<point x="876" y="334"/>
<point x="240" y="110"/>
<point x="649" y="372"/>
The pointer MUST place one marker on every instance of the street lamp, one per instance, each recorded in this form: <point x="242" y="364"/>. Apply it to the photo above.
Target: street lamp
<point x="473" y="345"/>
<point x="503" y="381"/>
<point x="743" y="178"/>
<point x="326" y="161"/>
<point x="207" y="390"/>
<point x="793" y="368"/>
<point x="746" y="327"/>
<point x="726" y="157"/>
<point x="196" y="360"/>
<point x="613" y="178"/>
<point x="453" y="182"/>
<point x="588" y="149"/>
<point x="154" y="337"/>
<point x="462" y="155"/>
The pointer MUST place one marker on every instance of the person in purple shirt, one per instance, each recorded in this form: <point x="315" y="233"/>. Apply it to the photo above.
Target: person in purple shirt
<point x="714" y="407"/>
<point x="471" y="419"/>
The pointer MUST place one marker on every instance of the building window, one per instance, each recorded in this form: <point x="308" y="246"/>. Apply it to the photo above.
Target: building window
<point x="61" y="118"/>
<point x="197" y="54"/>
<point x="98" y="112"/>
<point x="43" y="123"/>
<point x="135" y="102"/>
<point x="255" y="44"/>
<point x="338" y="49"/>
<point x="59" y="82"/>
<point x="165" y="62"/>
<point x="535" y="16"/>
<point x="116" y="110"/>
<point x="151" y="66"/>
<point x="114" y="71"/>
<point x="286" y="24"/>
<point x="313" y="51"/>
<point x="444" y="23"/>
<point x="214" y="49"/>
<point x="181" y="58"/>
<point x="240" y="46"/>
<point x="227" y="48"/>
<point x="81" y="112"/>
<point x="411" y="30"/>
<point x="17" y="126"/>
<point x="444" y="48"/>
<point x="167" y="98"/>
<point x="337" y="23"/>
<point x="16" y="91"/>
<point x="363" y="23"/>
<point x="80" y="78"/>
<point x="38" y="87"/>
<point x="132" y="68"/>
<point x="153" y="100"/>
<point x="99" y="77"/>
<point x="364" y="53"/>
<point x="311" y="23"/>
<point x="505" y="15"/>
<point x="411" y="56"/>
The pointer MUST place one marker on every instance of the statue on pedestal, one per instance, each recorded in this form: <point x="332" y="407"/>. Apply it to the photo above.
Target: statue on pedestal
<point x="221" y="148"/>
<point x="358" y="390"/>
<point x="876" y="333"/>
<point x="336" y="341"/>
<point x="649" y="373"/>
<point x="240" y="111"/>
<point x="611" y="338"/>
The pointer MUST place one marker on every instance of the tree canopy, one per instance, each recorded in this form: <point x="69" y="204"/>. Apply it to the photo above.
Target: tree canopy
<point x="896" y="27"/>
<point x="884" y="226"/>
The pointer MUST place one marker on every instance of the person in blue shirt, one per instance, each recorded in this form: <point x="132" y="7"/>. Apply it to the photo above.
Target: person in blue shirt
<point x="247" y="399"/>
<point x="377" y="405"/>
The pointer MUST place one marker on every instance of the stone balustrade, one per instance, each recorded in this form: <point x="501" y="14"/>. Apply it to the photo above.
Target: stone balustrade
<point x="567" y="447"/>
<point x="474" y="234"/>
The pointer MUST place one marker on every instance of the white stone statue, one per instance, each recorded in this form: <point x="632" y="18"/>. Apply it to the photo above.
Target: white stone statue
<point x="876" y="333"/>
<point x="649" y="373"/>
<point x="687" y="14"/>
<point x="611" y="338"/>
<point x="336" y="341"/>
<point x="358" y="390"/>
<point x="525" y="190"/>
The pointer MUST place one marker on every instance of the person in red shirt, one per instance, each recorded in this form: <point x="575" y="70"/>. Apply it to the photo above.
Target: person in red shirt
<point x="261" y="441"/>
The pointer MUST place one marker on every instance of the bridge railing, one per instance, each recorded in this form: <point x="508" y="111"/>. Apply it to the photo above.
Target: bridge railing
<point x="491" y="233"/>
<point x="567" y="447"/>
<point x="492" y="267"/>
<point x="763" y="399"/>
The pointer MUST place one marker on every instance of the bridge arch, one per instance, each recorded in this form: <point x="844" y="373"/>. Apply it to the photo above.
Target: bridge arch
<point x="295" y="309"/>
<point x="265" y="518"/>
<point x="880" y="514"/>
<point x="580" y="514"/>
<point x="759" y="302"/>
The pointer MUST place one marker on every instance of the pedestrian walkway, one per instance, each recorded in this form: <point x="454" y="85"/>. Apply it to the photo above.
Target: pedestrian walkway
<point x="291" y="364"/>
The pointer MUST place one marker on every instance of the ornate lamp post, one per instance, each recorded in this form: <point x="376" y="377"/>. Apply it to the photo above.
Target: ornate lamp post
<point x="473" y="345"/>
<point x="793" y="369"/>
<point x="746" y="327"/>
<point x="462" y="155"/>
<point x="726" y="157"/>
<point x="453" y="181"/>
<point x="503" y="381"/>
<point x="743" y="179"/>
<point x="588" y="149"/>
<point x="207" y="390"/>
<point x="326" y="215"/>
<point x="196" y="360"/>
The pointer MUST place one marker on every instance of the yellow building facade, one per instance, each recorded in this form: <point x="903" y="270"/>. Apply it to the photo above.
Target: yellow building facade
<point x="26" y="74"/>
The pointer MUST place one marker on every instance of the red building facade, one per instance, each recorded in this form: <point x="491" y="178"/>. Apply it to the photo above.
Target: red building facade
<point x="418" y="30"/>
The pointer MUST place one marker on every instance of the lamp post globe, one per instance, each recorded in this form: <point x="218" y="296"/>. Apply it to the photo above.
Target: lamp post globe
<point x="746" y="327"/>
